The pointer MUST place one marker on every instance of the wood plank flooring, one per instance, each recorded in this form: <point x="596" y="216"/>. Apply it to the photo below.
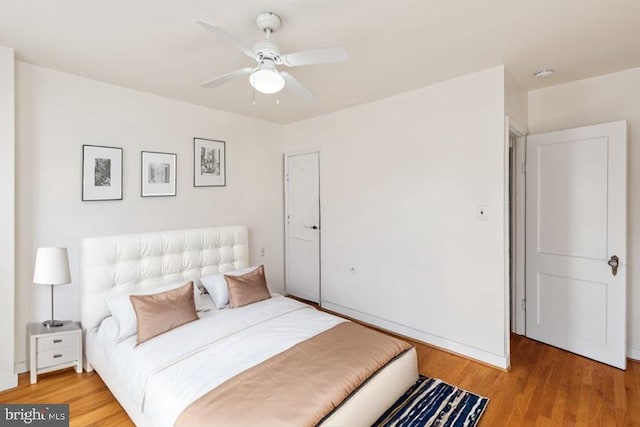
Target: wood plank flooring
<point x="545" y="387"/>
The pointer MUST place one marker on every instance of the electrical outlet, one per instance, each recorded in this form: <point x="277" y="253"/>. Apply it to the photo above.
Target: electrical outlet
<point x="482" y="213"/>
<point x="261" y="252"/>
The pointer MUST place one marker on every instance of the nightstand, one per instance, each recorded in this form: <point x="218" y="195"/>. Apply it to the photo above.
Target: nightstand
<point x="54" y="348"/>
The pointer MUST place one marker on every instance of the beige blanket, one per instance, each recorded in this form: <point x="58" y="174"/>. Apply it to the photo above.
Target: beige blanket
<point x="300" y="386"/>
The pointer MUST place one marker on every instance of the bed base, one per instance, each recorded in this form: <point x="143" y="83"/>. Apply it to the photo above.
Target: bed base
<point x="362" y="408"/>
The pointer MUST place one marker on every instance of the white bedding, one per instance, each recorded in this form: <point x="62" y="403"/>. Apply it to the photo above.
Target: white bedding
<point x="166" y="374"/>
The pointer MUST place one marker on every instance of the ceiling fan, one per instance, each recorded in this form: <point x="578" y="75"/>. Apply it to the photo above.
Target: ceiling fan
<point x="266" y="77"/>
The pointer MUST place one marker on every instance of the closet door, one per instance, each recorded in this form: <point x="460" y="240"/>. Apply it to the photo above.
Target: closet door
<point x="302" y="225"/>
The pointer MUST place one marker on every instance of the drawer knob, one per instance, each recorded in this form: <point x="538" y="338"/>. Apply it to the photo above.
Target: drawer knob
<point x="55" y="356"/>
<point x="57" y="341"/>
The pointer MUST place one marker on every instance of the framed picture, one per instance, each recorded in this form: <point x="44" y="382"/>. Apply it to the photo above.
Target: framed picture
<point x="101" y="173"/>
<point x="209" y="163"/>
<point x="158" y="174"/>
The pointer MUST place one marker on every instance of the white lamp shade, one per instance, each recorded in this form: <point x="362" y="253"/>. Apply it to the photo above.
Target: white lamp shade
<point x="267" y="80"/>
<point x="52" y="267"/>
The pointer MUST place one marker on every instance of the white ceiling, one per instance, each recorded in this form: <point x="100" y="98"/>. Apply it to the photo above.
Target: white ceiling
<point x="395" y="46"/>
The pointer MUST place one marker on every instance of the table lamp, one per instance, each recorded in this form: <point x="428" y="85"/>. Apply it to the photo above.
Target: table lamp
<point x="52" y="268"/>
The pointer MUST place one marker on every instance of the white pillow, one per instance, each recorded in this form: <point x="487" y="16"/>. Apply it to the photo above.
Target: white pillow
<point x="217" y="287"/>
<point x="122" y="310"/>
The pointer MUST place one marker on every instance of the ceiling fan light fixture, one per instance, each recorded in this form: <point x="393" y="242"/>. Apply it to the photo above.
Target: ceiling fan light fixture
<point x="266" y="80"/>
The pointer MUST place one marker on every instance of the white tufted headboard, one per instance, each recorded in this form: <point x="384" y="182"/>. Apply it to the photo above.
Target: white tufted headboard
<point x="121" y="264"/>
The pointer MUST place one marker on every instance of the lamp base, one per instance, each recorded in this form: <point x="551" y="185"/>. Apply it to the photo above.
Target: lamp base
<point x="52" y="323"/>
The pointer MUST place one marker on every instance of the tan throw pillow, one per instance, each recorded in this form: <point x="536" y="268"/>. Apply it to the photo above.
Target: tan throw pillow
<point x="248" y="288"/>
<point x="161" y="312"/>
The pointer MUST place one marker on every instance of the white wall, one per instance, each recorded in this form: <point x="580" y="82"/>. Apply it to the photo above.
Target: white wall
<point x="8" y="378"/>
<point x="401" y="180"/>
<point x="598" y="100"/>
<point x="58" y="112"/>
<point x="515" y="101"/>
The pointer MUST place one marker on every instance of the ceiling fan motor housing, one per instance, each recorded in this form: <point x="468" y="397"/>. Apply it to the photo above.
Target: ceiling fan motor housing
<point x="266" y="49"/>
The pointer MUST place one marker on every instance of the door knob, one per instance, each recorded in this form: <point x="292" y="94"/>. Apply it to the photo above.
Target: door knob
<point x="613" y="263"/>
<point x="313" y="227"/>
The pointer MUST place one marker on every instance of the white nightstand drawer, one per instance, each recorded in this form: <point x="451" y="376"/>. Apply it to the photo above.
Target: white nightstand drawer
<point x="57" y="342"/>
<point x="56" y="357"/>
<point x="53" y="348"/>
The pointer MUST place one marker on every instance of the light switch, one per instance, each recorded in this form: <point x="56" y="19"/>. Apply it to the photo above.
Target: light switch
<point x="482" y="213"/>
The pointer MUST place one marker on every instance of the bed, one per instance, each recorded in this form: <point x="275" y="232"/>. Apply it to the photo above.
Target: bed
<point x="157" y="381"/>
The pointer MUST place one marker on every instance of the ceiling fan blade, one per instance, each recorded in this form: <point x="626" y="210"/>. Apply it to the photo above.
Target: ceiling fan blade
<point x="297" y="87"/>
<point x="222" y="33"/>
<point x="316" y="56"/>
<point x="227" y="77"/>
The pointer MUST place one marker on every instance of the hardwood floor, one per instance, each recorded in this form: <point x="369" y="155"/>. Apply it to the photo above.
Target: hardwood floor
<point x="90" y="402"/>
<point x="545" y="387"/>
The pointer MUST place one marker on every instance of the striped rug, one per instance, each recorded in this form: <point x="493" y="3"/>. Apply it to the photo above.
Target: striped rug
<point x="432" y="402"/>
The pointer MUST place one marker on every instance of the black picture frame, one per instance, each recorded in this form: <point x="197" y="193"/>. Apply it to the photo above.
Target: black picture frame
<point x="209" y="163"/>
<point x="102" y="177"/>
<point x="160" y="180"/>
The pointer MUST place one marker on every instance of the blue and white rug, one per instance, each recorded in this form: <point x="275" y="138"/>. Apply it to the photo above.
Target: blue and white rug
<point x="431" y="402"/>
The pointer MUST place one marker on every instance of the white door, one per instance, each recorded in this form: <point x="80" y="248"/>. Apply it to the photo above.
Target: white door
<point x="576" y="227"/>
<point x="302" y="222"/>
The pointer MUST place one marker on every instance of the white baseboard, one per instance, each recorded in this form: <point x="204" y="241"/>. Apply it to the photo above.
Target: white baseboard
<point x="492" y="359"/>
<point x="21" y="367"/>
<point x="633" y="353"/>
<point x="8" y="382"/>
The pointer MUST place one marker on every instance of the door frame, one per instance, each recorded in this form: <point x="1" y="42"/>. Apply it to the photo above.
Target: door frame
<point x="515" y="212"/>
<point x="285" y="180"/>
<point x="517" y="290"/>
